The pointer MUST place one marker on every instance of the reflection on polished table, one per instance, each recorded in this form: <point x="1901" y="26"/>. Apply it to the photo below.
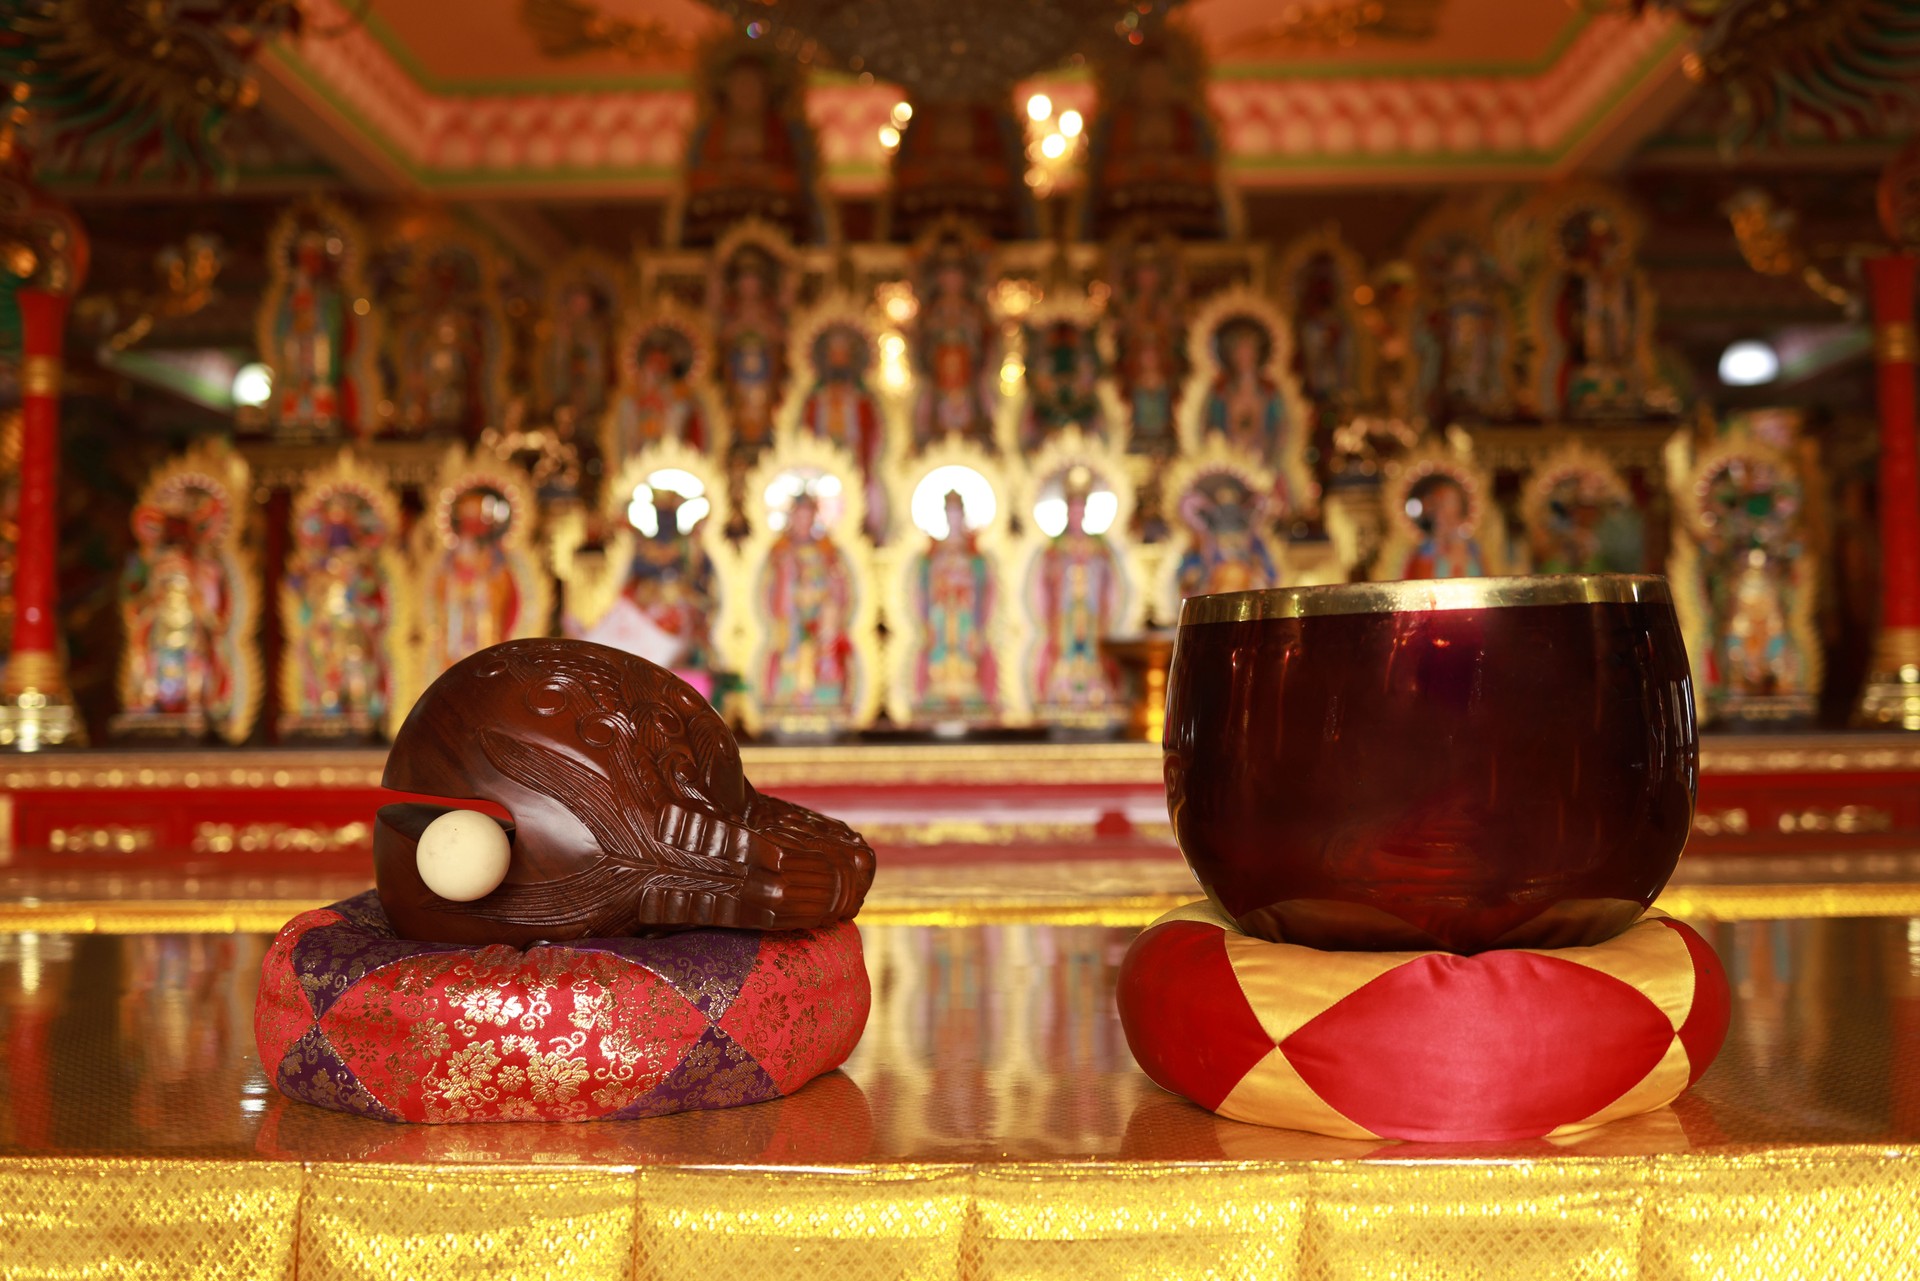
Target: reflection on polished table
<point x="990" y="1124"/>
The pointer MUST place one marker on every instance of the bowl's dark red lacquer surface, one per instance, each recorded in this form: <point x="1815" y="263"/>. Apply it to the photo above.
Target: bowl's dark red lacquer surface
<point x="1467" y="764"/>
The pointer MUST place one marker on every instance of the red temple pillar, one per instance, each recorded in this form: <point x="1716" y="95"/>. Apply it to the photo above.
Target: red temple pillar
<point x="36" y="709"/>
<point x="1892" y="695"/>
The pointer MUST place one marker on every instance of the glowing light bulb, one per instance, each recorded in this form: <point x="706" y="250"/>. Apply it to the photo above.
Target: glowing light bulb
<point x="902" y="112"/>
<point x="1749" y="364"/>
<point x="889" y="137"/>
<point x="1039" y="107"/>
<point x="1071" y="123"/>
<point x="1053" y="146"/>
<point x="253" y="386"/>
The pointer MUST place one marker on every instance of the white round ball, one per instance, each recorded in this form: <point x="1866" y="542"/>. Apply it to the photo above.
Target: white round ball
<point x="463" y="855"/>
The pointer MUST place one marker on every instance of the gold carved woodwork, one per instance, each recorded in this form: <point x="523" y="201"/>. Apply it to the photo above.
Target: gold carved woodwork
<point x="108" y="838"/>
<point x="1732" y="821"/>
<point x="280" y="838"/>
<point x="1842" y="820"/>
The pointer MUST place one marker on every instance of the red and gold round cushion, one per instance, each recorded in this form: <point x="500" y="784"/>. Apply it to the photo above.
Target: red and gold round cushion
<point x="1503" y="1045"/>
<point x="354" y="1018"/>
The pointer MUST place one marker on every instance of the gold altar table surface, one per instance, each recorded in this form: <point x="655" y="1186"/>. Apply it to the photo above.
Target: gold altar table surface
<point x="991" y="1123"/>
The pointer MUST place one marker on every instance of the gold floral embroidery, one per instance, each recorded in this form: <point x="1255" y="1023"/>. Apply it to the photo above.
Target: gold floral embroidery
<point x="512" y="1077"/>
<point x="469" y="1071"/>
<point x="556" y="1078"/>
<point x="428" y="1038"/>
<point x="491" y="1005"/>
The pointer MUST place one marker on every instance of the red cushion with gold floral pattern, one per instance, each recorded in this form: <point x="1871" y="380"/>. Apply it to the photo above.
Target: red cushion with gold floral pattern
<point x="1511" y="1044"/>
<point x="352" y="1017"/>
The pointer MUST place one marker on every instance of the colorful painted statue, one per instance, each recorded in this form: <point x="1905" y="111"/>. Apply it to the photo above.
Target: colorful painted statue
<point x="657" y="401"/>
<point x="955" y="675"/>
<point x="316" y="326"/>
<point x="951" y="348"/>
<point x="807" y="599"/>
<point x="174" y="599"/>
<point x="1580" y="517"/>
<point x="1244" y="404"/>
<point x="750" y="341"/>
<point x="577" y="377"/>
<point x="309" y="339"/>
<point x="471" y="590"/>
<point x="752" y="154"/>
<point x="1757" y="656"/>
<point x="1448" y="548"/>
<point x="339" y="610"/>
<point x="666" y="604"/>
<point x="1076" y="592"/>
<point x="1596" y="314"/>
<point x="188" y="604"/>
<point x="1150" y="345"/>
<point x="1326" y="348"/>
<point x="1744" y="556"/>
<point x="1063" y="382"/>
<point x="448" y="353"/>
<point x="1228" y="551"/>
<point x="1463" y="340"/>
<point x="839" y="406"/>
<point x="1153" y="148"/>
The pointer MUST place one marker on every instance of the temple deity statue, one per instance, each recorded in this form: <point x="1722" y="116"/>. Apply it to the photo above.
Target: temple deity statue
<point x="1153" y="145"/>
<point x="951" y="600"/>
<point x="1244" y="403"/>
<point x="316" y="327"/>
<point x="1580" y="516"/>
<point x="1076" y="592"/>
<point x="188" y="604"/>
<point x="1063" y="371"/>
<point x="665" y="605"/>
<point x="577" y="371"/>
<point x="807" y="593"/>
<point x="639" y="575"/>
<point x="953" y="339"/>
<point x="175" y="600"/>
<point x="1326" y="348"/>
<point x="751" y="153"/>
<point x="1448" y="548"/>
<point x="343" y="605"/>
<point x="441" y="383"/>
<point x="656" y="401"/>
<point x="1227" y="548"/>
<point x="1745" y="581"/>
<point x="1595" y="313"/>
<point x="310" y="332"/>
<point x="750" y="343"/>
<point x="839" y="406"/>
<point x="1758" y="655"/>
<point x="1465" y="375"/>
<point x="1149" y="336"/>
<point x="471" y="593"/>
